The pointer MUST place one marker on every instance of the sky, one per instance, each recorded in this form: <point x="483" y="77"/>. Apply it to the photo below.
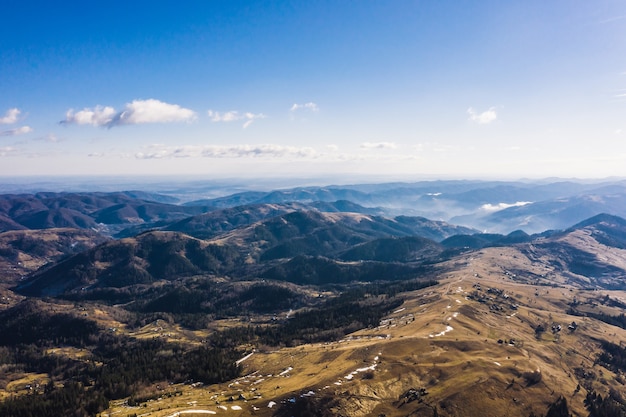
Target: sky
<point x="385" y="89"/>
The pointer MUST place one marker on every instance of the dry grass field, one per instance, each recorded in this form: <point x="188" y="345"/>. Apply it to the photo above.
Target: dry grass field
<point x="467" y="347"/>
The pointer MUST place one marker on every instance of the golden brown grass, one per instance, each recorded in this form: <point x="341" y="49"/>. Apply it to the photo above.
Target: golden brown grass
<point x="442" y="339"/>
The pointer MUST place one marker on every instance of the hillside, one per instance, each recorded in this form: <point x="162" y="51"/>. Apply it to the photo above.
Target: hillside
<point x="146" y="259"/>
<point x="24" y="251"/>
<point x="327" y="234"/>
<point x="216" y="222"/>
<point x="492" y="206"/>
<point x="356" y="316"/>
<point x="404" y="249"/>
<point x="591" y="253"/>
<point x="107" y="212"/>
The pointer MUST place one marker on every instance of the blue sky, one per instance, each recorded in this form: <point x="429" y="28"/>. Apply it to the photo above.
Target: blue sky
<point x="404" y="89"/>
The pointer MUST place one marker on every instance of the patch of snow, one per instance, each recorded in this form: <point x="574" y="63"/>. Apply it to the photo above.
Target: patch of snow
<point x="286" y="371"/>
<point x="448" y="329"/>
<point x="179" y="413"/>
<point x="271" y="404"/>
<point x="498" y="363"/>
<point x="400" y="309"/>
<point x="244" y="358"/>
<point x="235" y="407"/>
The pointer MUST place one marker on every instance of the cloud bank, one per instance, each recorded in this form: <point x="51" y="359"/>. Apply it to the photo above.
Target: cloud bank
<point x="135" y="112"/>
<point x="378" y="145"/>
<point x="233" y="116"/>
<point x="219" y="151"/>
<point x="483" y="118"/>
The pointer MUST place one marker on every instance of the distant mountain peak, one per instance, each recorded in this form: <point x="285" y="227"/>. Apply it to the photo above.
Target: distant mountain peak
<point x="599" y="219"/>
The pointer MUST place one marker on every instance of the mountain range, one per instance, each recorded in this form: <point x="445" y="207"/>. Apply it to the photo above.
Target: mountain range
<point x="317" y="301"/>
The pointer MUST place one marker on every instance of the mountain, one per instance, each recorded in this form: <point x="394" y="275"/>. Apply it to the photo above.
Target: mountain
<point x="309" y="270"/>
<point x="474" y="241"/>
<point x="107" y="212"/>
<point x="301" y="195"/>
<point x="490" y="206"/>
<point x="145" y="259"/>
<point x="165" y="255"/>
<point x="216" y="222"/>
<point x="591" y="253"/>
<point x="323" y="313"/>
<point x="557" y="213"/>
<point x="56" y="218"/>
<point x="314" y="233"/>
<point x="24" y="251"/>
<point x="346" y="206"/>
<point x="401" y="249"/>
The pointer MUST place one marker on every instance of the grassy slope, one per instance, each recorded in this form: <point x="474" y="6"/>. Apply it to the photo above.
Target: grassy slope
<point x="466" y="371"/>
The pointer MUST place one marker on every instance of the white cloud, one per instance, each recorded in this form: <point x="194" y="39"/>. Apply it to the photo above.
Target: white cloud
<point x="306" y="106"/>
<point x="98" y="116"/>
<point x="502" y="206"/>
<point x="378" y="145"/>
<point x="219" y="151"/>
<point x="135" y="112"/>
<point x="233" y="116"/>
<point x="483" y="118"/>
<point x="17" y="131"/>
<point x="229" y="116"/>
<point x="10" y="116"/>
<point x="154" y="111"/>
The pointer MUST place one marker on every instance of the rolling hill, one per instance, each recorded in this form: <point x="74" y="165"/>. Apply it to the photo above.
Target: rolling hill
<point x="88" y="210"/>
<point x="24" y="251"/>
<point x="279" y="309"/>
<point x="146" y="259"/>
